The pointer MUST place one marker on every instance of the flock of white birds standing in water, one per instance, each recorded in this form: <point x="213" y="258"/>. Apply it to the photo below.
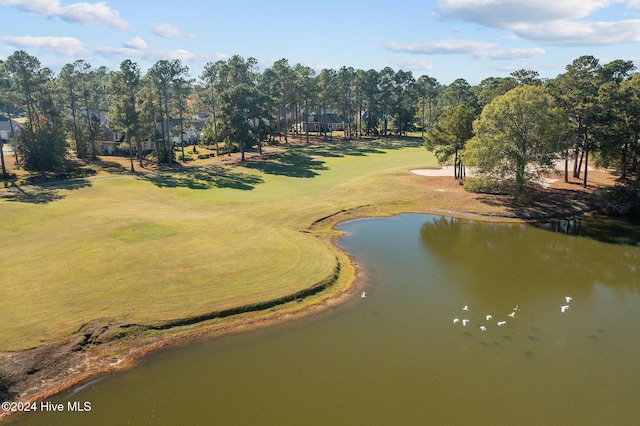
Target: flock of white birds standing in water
<point x="512" y="315"/>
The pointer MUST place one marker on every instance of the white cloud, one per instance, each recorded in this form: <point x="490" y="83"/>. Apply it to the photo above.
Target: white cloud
<point x="169" y="31"/>
<point x="419" y="64"/>
<point x="120" y="52"/>
<point x="82" y="12"/>
<point x="557" y="22"/>
<point x="183" y="55"/>
<point x="582" y="33"/>
<point x="147" y="54"/>
<point x="39" y="7"/>
<point x="67" y="46"/>
<point x="135" y="43"/>
<point x="476" y="49"/>
<point x="504" y="13"/>
<point x="442" y="47"/>
<point x="510" y="54"/>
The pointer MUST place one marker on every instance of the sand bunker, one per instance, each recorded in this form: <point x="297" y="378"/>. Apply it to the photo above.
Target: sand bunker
<point x="448" y="171"/>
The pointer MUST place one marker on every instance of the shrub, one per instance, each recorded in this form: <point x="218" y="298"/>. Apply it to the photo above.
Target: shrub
<point x="486" y="185"/>
<point x="621" y="199"/>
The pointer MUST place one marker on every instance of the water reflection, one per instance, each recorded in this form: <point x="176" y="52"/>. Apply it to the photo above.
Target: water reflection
<point x="528" y="258"/>
<point x="398" y="357"/>
<point x="608" y="229"/>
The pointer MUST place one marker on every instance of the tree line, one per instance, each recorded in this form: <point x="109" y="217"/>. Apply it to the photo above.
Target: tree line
<point x="511" y="128"/>
<point x="501" y="126"/>
<point x="244" y="107"/>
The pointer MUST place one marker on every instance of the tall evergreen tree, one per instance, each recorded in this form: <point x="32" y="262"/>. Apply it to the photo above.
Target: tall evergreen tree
<point x="210" y="78"/>
<point x="124" y="115"/>
<point x="427" y="91"/>
<point x="41" y="146"/>
<point x="240" y="108"/>
<point x="577" y="91"/>
<point x="448" y="137"/>
<point x="167" y="78"/>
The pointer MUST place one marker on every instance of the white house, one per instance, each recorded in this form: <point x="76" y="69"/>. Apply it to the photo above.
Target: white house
<point x="9" y="128"/>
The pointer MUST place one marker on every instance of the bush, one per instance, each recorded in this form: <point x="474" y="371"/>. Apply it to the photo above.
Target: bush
<point x="186" y="158"/>
<point x="45" y="149"/>
<point x="621" y="199"/>
<point x="486" y="185"/>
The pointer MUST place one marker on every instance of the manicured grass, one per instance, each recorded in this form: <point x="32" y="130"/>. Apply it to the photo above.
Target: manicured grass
<point x="159" y="247"/>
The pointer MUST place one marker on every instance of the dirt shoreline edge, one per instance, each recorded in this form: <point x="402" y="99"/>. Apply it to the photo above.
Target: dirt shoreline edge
<point x="95" y="357"/>
<point x="101" y="346"/>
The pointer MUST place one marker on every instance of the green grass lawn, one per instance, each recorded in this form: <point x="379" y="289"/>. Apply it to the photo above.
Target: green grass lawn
<point x="159" y="247"/>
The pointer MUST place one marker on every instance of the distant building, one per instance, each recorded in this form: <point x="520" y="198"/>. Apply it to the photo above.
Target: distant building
<point x="327" y="122"/>
<point x="9" y="128"/>
<point x="190" y="132"/>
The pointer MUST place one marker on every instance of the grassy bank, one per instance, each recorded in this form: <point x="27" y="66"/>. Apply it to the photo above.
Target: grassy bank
<point x="98" y="271"/>
<point x="161" y="247"/>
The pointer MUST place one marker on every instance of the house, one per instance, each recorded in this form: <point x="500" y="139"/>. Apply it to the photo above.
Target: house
<point x="9" y="128"/>
<point x="110" y="142"/>
<point x="327" y="122"/>
<point x="189" y="132"/>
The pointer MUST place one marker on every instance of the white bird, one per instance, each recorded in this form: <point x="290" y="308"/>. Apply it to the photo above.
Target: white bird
<point x="502" y="322"/>
<point x="568" y="299"/>
<point x="512" y="314"/>
<point x="517" y="308"/>
<point x="456" y="320"/>
<point x="564" y="308"/>
<point x="488" y="317"/>
<point x="364" y="294"/>
<point x="464" y="322"/>
<point x="466" y="308"/>
<point x="483" y="328"/>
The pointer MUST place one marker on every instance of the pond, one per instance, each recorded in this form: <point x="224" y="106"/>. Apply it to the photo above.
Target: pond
<point x="398" y="355"/>
<point x="609" y="229"/>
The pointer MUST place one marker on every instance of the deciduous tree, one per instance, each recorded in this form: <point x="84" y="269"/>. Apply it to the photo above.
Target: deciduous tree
<point x="517" y="134"/>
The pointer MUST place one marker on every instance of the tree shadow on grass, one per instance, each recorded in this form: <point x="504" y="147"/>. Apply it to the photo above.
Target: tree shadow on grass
<point x="204" y="178"/>
<point x="399" y="142"/>
<point x="293" y="163"/>
<point x="362" y="147"/>
<point x="545" y="203"/>
<point x="342" y="149"/>
<point x="41" y="194"/>
<point x="110" y="166"/>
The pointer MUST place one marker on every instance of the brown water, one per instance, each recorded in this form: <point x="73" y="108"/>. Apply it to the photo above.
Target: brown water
<point x="396" y="356"/>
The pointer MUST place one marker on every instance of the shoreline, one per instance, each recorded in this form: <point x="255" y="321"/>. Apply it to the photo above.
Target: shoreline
<point x="97" y="367"/>
<point x="98" y="359"/>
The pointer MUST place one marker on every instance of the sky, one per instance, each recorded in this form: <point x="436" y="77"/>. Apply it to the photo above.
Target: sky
<point x="445" y="39"/>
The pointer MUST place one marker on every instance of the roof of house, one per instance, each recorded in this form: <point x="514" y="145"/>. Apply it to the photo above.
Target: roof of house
<point x="5" y="124"/>
<point x="329" y="118"/>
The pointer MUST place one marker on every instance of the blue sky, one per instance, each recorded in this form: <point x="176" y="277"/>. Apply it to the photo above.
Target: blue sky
<point x="446" y="39"/>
